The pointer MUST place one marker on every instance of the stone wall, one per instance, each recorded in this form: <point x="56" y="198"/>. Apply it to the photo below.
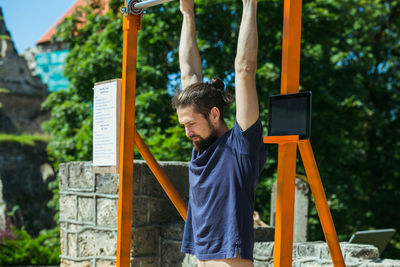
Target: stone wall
<point x="15" y="75"/>
<point x="88" y="218"/>
<point x="21" y="93"/>
<point x="315" y="254"/>
<point x="25" y="173"/>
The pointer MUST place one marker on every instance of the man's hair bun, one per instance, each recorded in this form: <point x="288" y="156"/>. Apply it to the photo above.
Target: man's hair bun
<point x="217" y="83"/>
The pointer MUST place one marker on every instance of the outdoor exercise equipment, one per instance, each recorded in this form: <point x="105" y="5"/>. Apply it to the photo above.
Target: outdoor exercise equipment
<point x="129" y="138"/>
<point x="287" y="153"/>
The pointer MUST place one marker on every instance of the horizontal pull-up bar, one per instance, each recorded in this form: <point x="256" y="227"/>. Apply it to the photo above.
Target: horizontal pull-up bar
<point x="149" y="3"/>
<point x="136" y="7"/>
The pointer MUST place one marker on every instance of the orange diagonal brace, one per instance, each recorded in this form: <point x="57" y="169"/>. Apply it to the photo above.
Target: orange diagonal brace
<point x="291" y="47"/>
<point x="131" y="25"/>
<point x="320" y="202"/>
<point x="161" y="176"/>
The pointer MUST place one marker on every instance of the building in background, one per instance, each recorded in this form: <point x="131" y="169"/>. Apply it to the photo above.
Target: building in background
<point x="47" y="59"/>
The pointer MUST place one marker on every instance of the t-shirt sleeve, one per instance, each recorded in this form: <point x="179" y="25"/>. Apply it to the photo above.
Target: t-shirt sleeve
<point x="249" y="140"/>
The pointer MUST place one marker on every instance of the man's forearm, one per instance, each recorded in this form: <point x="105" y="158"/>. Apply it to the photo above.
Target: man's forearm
<point x="246" y="55"/>
<point x="247" y="110"/>
<point x="189" y="57"/>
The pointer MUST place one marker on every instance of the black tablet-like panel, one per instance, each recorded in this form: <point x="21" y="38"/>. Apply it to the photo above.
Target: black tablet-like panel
<point x="290" y="114"/>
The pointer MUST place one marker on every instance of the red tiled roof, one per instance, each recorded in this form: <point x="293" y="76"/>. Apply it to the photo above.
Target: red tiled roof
<point x="47" y="36"/>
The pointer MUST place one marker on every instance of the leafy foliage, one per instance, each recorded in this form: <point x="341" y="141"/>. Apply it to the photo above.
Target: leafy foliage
<point x="25" y="250"/>
<point x="349" y="60"/>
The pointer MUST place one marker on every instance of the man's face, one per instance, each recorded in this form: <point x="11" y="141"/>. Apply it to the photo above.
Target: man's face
<point x="197" y="128"/>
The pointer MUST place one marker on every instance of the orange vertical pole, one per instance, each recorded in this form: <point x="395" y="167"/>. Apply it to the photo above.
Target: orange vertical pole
<point x="291" y="46"/>
<point x="318" y="192"/>
<point x="285" y="204"/>
<point x="161" y="176"/>
<point x="287" y="151"/>
<point x="131" y="25"/>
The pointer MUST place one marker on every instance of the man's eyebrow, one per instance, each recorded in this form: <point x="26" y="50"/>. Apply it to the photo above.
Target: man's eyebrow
<point x="187" y="122"/>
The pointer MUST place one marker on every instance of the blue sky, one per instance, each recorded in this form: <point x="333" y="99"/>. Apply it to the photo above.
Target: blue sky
<point x="29" y="20"/>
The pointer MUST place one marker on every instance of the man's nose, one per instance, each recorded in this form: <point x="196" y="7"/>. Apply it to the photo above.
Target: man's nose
<point x="188" y="131"/>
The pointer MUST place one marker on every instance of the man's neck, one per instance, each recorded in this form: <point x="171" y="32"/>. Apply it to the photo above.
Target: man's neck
<point x="222" y="129"/>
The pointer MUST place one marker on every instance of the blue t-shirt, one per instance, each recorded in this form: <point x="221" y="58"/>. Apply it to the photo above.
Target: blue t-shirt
<point x="222" y="185"/>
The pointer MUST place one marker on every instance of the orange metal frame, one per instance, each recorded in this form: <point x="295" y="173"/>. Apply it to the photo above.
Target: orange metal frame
<point x="285" y="199"/>
<point x="287" y="153"/>
<point x="130" y="138"/>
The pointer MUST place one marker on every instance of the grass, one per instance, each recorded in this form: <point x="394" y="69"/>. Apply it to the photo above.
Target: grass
<point x="4" y="36"/>
<point x="4" y="90"/>
<point x="25" y="139"/>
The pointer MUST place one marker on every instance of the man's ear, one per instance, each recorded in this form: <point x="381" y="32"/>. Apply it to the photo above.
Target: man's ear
<point x="214" y="115"/>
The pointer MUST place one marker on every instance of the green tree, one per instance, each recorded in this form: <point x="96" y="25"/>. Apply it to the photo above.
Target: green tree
<point x="349" y="60"/>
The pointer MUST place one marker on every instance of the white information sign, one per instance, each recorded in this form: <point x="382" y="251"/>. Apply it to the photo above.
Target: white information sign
<point x="105" y="124"/>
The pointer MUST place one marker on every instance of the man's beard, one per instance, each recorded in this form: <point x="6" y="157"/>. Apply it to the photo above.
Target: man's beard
<point x="203" y="143"/>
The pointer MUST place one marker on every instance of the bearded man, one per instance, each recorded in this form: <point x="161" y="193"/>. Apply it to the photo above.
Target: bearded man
<point x="226" y="163"/>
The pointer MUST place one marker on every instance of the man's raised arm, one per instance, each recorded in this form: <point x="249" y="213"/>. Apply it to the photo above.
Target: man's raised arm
<point x="189" y="57"/>
<point x="247" y="110"/>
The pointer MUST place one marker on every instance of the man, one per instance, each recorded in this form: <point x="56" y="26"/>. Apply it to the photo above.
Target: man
<point x="225" y="164"/>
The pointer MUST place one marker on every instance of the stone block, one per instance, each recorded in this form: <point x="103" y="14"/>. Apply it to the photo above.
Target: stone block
<point x="67" y="207"/>
<point x="107" y="183"/>
<point x="173" y="231"/>
<point x="154" y="188"/>
<point x="171" y="254"/>
<point x="306" y="250"/>
<point x="382" y="263"/>
<point x="321" y="249"/>
<point x="316" y="264"/>
<point x="62" y="240"/>
<point x="356" y="252"/>
<point x="162" y="211"/>
<point x="105" y="263"/>
<point x="264" y="234"/>
<point x="81" y="176"/>
<point x="105" y="169"/>
<point x="263" y="251"/>
<point x="69" y="263"/>
<point x="303" y="261"/>
<point x="139" y="182"/>
<point x="140" y="211"/>
<point x="63" y="176"/>
<point x="258" y="263"/>
<point x="71" y="250"/>
<point x="107" y="212"/>
<point x="86" y="209"/>
<point x="73" y="227"/>
<point x="146" y="183"/>
<point x="145" y="262"/>
<point x="178" y="174"/>
<point x="145" y="241"/>
<point x="99" y="243"/>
